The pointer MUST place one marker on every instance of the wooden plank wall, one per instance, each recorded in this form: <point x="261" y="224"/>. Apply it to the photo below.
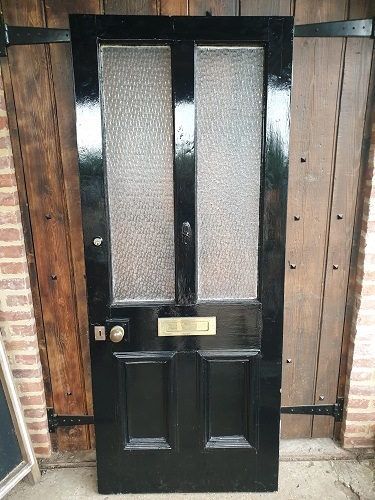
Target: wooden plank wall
<point x="330" y="84"/>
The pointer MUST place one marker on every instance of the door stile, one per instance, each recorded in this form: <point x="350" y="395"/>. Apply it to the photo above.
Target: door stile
<point x="184" y="170"/>
<point x="272" y="240"/>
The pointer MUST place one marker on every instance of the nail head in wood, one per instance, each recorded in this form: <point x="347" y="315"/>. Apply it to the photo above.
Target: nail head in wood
<point x="297" y="217"/>
<point x="340" y="216"/>
<point x="293" y="266"/>
<point x="335" y="266"/>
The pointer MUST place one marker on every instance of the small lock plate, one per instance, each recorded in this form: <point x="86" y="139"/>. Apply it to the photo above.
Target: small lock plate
<point x="99" y="332"/>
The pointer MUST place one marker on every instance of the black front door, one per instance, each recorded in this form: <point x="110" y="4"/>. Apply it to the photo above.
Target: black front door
<point x="182" y="127"/>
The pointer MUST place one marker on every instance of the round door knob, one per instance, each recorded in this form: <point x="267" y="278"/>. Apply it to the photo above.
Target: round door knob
<point x="117" y="333"/>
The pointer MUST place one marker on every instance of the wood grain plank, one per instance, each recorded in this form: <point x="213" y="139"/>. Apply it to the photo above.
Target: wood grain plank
<point x="40" y="148"/>
<point x="174" y="7"/>
<point x="316" y="86"/>
<point x="361" y="9"/>
<point x="28" y="238"/>
<point x="320" y="11"/>
<point x="141" y="7"/>
<point x="214" y="7"/>
<point x="62" y="75"/>
<point x="267" y="7"/>
<point x="315" y="91"/>
<point x="348" y="159"/>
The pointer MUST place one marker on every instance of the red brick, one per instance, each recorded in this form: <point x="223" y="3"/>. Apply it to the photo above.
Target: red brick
<point x="8" y="199"/>
<point x="360" y="375"/>
<point x="361" y="417"/>
<point x="37" y="426"/>
<point x="7" y="180"/>
<point x="13" y="267"/>
<point x="34" y="413"/>
<point x="23" y="330"/>
<point x="32" y="400"/>
<point x="10" y="234"/>
<point x="20" y="345"/>
<point x="26" y="373"/>
<point x="4" y="123"/>
<point x="12" y="251"/>
<point x="15" y="315"/>
<point x="39" y="438"/>
<point x="12" y="284"/>
<point x="31" y="387"/>
<point x="362" y="390"/>
<point x="5" y="142"/>
<point x="355" y="428"/>
<point x="42" y="452"/>
<point x="358" y="403"/>
<point x="6" y="162"/>
<point x="18" y="300"/>
<point x="26" y="359"/>
<point x="359" y="442"/>
<point x="364" y="363"/>
<point x="11" y="217"/>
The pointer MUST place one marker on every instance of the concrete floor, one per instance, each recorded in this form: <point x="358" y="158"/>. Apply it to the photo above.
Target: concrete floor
<point x="309" y="469"/>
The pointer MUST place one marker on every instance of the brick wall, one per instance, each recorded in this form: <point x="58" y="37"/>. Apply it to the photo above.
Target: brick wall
<point x="358" y="430"/>
<point x="17" y="322"/>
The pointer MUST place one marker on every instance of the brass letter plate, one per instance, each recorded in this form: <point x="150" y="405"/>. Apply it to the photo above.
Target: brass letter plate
<point x="173" y="327"/>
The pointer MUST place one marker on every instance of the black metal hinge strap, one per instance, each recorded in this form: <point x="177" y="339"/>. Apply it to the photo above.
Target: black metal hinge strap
<point x="25" y="35"/>
<point x="55" y="420"/>
<point x="335" y="410"/>
<point x="358" y="27"/>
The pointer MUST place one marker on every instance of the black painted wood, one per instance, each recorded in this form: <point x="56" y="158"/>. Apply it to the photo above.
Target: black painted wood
<point x="10" y="451"/>
<point x="189" y="413"/>
<point x="184" y="124"/>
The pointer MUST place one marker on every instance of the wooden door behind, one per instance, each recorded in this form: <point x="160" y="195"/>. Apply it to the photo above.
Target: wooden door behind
<point x="329" y="95"/>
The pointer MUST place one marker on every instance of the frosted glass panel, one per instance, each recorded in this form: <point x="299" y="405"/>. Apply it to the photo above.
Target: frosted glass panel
<point x="229" y="101"/>
<point x="136" y="95"/>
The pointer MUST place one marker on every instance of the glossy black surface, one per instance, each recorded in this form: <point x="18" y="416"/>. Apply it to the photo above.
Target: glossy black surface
<point x="10" y="451"/>
<point x="188" y="413"/>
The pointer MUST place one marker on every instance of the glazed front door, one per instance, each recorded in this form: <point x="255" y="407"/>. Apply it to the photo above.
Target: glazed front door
<point x="182" y="127"/>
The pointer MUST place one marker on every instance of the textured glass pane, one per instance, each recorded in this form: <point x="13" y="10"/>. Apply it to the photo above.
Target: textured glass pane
<point x="138" y="134"/>
<point x="229" y="100"/>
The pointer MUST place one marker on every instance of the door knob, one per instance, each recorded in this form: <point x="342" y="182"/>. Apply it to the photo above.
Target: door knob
<point x="117" y="333"/>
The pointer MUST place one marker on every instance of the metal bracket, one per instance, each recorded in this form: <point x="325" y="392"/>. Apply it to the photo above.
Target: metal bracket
<point x="25" y="35"/>
<point x="358" y="27"/>
<point x="55" y="421"/>
<point x="335" y="410"/>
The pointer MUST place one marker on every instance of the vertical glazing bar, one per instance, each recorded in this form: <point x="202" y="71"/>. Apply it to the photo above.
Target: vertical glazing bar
<point x="183" y="100"/>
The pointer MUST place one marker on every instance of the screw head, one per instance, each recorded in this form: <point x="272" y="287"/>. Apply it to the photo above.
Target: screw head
<point x="289" y="360"/>
<point x="321" y="398"/>
<point x="97" y="241"/>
